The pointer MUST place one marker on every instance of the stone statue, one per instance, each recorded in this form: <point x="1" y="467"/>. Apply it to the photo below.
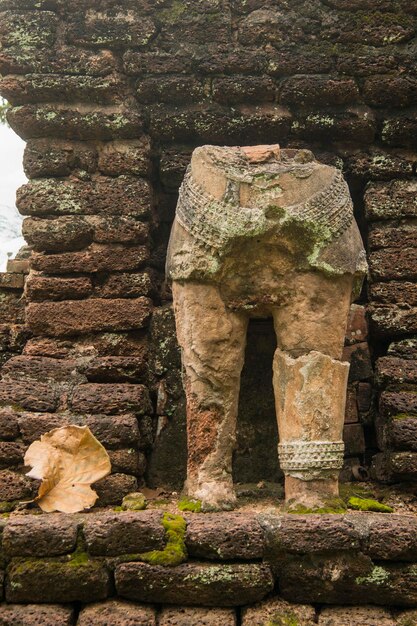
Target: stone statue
<point x="263" y="232"/>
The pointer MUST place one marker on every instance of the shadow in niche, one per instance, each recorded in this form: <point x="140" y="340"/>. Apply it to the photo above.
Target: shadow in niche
<point x="255" y="457"/>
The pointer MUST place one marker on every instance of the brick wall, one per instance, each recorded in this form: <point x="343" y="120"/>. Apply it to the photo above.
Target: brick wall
<point x="111" y="98"/>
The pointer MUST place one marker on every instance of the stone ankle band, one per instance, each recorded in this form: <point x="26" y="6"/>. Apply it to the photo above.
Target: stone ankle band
<point x="299" y="456"/>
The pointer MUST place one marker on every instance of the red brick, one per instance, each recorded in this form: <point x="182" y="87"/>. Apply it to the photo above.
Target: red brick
<point x="75" y="317"/>
<point x="33" y="535"/>
<point x="111" y="398"/>
<point x="128" y="532"/>
<point x="95" y="258"/>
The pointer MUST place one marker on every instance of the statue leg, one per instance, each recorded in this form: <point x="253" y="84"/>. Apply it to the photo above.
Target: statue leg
<point x="213" y="341"/>
<point x="310" y="388"/>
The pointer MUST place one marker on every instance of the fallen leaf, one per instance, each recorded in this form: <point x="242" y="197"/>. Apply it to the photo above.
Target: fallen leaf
<point x="67" y="460"/>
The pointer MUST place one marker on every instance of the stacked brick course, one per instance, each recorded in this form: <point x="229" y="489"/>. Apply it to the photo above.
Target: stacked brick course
<point x="112" y="97"/>
<point x="284" y="566"/>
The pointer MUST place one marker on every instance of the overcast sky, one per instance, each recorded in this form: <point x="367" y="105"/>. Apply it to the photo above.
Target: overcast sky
<point x="11" y="169"/>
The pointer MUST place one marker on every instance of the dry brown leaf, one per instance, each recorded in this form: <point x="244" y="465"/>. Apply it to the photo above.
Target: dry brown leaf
<point x="67" y="460"/>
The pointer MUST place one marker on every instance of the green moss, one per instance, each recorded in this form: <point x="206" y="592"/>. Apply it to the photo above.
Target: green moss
<point x="378" y="576"/>
<point x="364" y="504"/>
<point x="289" y="619"/>
<point x="175" y="551"/>
<point x="134" y="502"/>
<point x="403" y="416"/>
<point x="329" y="506"/>
<point x="6" y="507"/>
<point x="186" y="504"/>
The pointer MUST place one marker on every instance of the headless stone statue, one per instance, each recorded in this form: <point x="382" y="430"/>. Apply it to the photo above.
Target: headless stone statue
<point x="264" y="232"/>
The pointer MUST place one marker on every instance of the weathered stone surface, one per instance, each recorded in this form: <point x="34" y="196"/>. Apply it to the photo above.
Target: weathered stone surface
<point x="364" y="396"/>
<point x="9" y="428"/>
<point x="129" y="157"/>
<point x="393" y="264"/>
<point x="393" y="539"/>
<point x="36" y="121"/>
<point x="402" y="433"/>
<point x="113" y="534"/>
<point x="116" y="431"/>
<point x="122" y="195"/>
<point x="115" y="229"/>
<point x="138" y="63"/>
<point x="356" y="124"/>
<point x="54" y="157"/>
<point x="211" y="125"/>
<point x="184" y="616"/>
<point x="354" y="439"/>
<point x="194" y="583"/>
<point x="391" y="200"/>
<point x="239" y="60"/>
<point x="311" y="580"/>
<point x="403" y="465"/>
<point x="378" y="165"/>
<point x="397" y="402"/>
<point x="390" y="91"/>
<point x="11" y="281"/>
<point x="80" y="317"/>
<point x="318" y="90"/>
<point x="172" y="166"/>
<point x="116" y="368"/>
<point x="392" y="234"/>
<point x="351" y="410"/>
<point x="399" y="130"/>
<point x="39" y="288"/>
<point x="357" y="326"/>
<point x="237" y="89"/>
<point x="30" y="395"/>
<point x="37" y="88"/>
<point x="128" y="461"/>
<point x="307" y="534"/>
<point x="276" y="610"/>
<point x="231" y="536"/>
<point x="11" y="453"/>
<point x="353" y="616"/>
<point x="404" y="618"/>
<point x="117" y="613"/>
<point x="28" y="30"/>
<point x="65" y="59"/>
<point x="33" y="535"/>
<point x="95" y="258"/>
<point x="42" y="369"/>
<point x="404" y="348"/>
<point x="300" y="60"/>
<point x="391" y="369"/>
<point x="359" y="357"/>
<point x="393" y="320"/>
<point x="378" y="30"/>
<point x="111" y="398"/>
<point x="112" y="489"/>
<point x="123" y="29"/>
<point x="14" y="486"/>
<point x="94" y="345"/>
<point x="49" y="580"/>
<point x="170" y="89"/>
<point x="394" y="292"/>
<point x="11" y="307"/>
<point x="60" y="234"/>
<point x="126" y="285"/>
<point x="36" y="615"/>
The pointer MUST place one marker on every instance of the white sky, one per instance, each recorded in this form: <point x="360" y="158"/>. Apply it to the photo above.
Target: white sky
<point x="11" y="168"/>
